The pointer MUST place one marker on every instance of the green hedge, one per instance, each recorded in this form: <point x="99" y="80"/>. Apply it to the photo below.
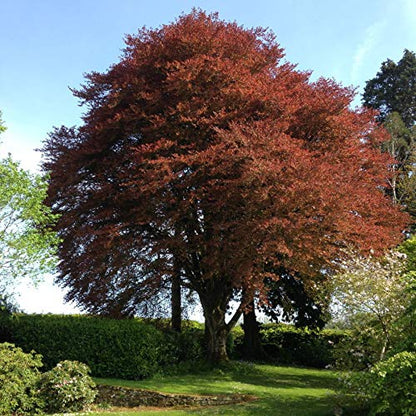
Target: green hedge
<point x="135" y="349"/>
<point x="286" y="344"/>
<point x="127" y="349"/>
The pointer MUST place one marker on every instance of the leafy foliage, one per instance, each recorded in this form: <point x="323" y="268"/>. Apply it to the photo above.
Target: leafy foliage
<point x="67" y="387"/>
<point x="402" y="146"/>
<point x="371" y="295"/>
<point x="406" y="323"/>
<point x="388" y="388"/>
<point x="7" y="305"/>
<point x="288" y="300"/>
<point x="19" y="375"/>
<point x="393" y="93"/>
<point x="362" y="347"/>
<point x="202" y="148"/>
<point x="2" y="127"/>
<point x="27" y="243"/>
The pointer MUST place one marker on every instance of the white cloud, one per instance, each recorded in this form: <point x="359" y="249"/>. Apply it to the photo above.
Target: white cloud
<point x="372" y="36"/>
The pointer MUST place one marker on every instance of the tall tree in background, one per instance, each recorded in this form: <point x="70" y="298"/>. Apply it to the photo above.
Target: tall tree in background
<point x="393" y="89"/>
<point x="27" y="243"/>
<point x="402" y="146"/>
<point x="203" y="154"/>
<point x="392" y="92"/>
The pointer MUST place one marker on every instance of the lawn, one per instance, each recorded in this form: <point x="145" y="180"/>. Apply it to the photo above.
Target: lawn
<point x="280" y="391"/>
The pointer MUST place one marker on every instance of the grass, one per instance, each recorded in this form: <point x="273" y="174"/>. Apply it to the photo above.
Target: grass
<point x="280" y="391"/>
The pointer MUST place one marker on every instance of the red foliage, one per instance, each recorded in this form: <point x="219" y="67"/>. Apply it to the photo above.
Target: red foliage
<point x="202" y="145"/>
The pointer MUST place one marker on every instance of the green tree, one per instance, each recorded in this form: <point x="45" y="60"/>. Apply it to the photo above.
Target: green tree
<point x="402" y="146"/>
<point x="408" y="320"/>
<point x="392" y="92"/>
<point x="393" y="89"/>
<point x="27" y="242"/>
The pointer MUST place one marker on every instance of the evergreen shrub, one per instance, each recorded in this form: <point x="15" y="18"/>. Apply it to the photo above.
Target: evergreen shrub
<point x="19" y="376"/>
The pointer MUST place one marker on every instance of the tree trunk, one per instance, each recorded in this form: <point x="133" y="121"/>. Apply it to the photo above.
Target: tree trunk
<point x="176" y="318"/>
<point x="385" y="342"/>
<point x="216" y="332"/>
<point x="252" y="348"/>
<point x="215" y="296"/>
<point x="217" y="346"/>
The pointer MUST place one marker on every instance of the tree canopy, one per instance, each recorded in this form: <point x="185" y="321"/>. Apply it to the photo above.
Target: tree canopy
<point x="393" y="93"/>
<point x="393" y="89"/>
<point x="203" y="150"/>
<point x="27" y="241"/>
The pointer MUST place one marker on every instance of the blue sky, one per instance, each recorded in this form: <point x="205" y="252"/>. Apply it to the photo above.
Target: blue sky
<point x="47" y="45"/>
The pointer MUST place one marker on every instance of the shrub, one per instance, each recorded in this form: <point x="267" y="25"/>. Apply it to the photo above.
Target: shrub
<point x="67" y="387"/>
<point x="392" y="386"/>
<point x="19" y="375"/>
<point x="359" y="351"/>
<point x="134" y="349"/>
<point x="388" y="388"/>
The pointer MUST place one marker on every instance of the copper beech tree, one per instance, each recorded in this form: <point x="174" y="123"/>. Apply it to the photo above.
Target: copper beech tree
<point x="204" y="155"/>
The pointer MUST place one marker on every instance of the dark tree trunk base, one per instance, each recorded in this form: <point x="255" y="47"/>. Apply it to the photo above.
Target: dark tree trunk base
<point x="176" y="319"/>
<point x="252" y="348"/>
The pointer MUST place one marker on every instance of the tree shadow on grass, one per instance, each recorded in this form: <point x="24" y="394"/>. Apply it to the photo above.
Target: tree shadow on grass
<point x="280" y="391"/>
<point x="294" y="378"/>
<point x="273" y="405"/>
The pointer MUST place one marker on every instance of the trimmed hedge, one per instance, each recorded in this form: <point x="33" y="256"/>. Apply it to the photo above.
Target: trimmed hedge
<point x="126" y="349"/>
<point x="286" y="344"/>
<point x="135" y="349"/>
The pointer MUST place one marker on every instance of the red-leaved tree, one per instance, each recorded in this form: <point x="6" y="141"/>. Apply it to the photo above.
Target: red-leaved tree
<point x="204" y="155"/>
